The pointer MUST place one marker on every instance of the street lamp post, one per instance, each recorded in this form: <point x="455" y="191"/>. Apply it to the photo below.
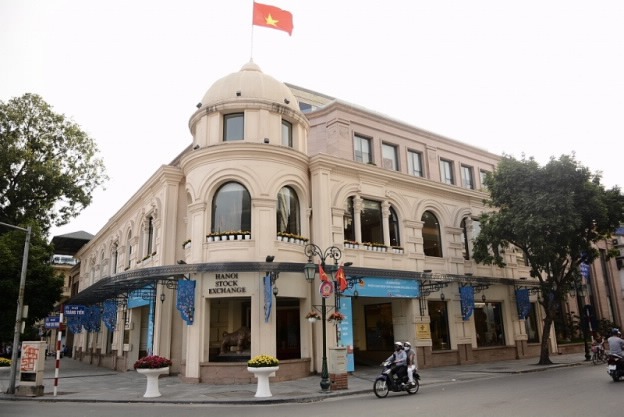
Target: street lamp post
<point x="310" y="271"/>
<point x="20" y="308"/>
<point x="580" y="296"/>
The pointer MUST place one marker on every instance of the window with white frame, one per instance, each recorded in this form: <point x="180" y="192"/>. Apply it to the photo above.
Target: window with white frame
<point x="414" y="163"/>
<point x="362" y="149"/>
<point x="389" y="157"/>
<point x="231" y="209"/>
<point x="446" y="172"/>
<point x="467" y="177"/>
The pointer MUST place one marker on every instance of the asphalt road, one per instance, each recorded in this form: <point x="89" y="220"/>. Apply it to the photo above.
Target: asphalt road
<point x="585" y="391"/>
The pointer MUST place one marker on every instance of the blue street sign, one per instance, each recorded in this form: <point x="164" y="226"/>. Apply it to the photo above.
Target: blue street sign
<point x="74" y="310"/>
<point x="52" y="322"/>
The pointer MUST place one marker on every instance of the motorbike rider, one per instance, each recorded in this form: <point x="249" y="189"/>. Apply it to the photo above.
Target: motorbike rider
<point x="616" y="344"/>
<point x="399" y="358"/>
<point x="411" y="362"/>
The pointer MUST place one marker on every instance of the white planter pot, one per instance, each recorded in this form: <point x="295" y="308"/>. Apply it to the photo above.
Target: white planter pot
<point x="262" y="374"/>
<point x="152" y="375"/>
<point x="312" y="320"/>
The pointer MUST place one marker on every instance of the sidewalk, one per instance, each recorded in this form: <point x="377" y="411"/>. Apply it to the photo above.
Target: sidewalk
<point x="81" y="382"/>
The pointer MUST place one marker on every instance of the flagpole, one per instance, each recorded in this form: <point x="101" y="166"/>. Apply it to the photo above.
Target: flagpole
<point x="252" y="31"/>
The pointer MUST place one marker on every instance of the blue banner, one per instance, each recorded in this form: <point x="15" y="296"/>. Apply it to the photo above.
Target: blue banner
<point x="74" y="324"/>
<point x="268" y="297"/>
<point x="345" y="329"/>
<point x="109" y="317"/>
<point x="523" y="303"/>
<point x="467" y="301"/>
<point x="92" y="319"/>
<point x="385" y="287"/>
<point x="186" y="300"/>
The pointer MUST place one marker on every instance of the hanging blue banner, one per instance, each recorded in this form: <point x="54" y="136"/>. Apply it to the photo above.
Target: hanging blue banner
<point x="523" y="303"/>
<point x="467" y="301"/>
<point x="186" y="300"/>
<point x="345" y="331"/>
<point x="584" y="270"/>
<point x="268" y="297"/>
<point x="92" y="319"/>
<point x="74" y="324"/>
<point x="109" y="316"/>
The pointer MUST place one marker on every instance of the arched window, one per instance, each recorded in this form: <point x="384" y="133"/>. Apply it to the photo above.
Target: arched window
<point x="129" y="246"/>
<point x="288" y="214"/>
<point x="114" y="259"/>
<point x="432" y="241"/>
<point x="372" y="222"/>
<point x="349" y="231"/>
<point x="231" y="209"/>
<point x="464" y="228"/>
<point x="150" y="236"/>
<point x="393" y="222"/>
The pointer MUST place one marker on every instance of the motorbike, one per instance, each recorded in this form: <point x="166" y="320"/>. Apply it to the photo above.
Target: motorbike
<point x="389" y="381"/>
<point x="615" y="366"/>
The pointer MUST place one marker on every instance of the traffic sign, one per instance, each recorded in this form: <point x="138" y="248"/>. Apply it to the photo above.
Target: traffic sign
<point x="52" y="322"/>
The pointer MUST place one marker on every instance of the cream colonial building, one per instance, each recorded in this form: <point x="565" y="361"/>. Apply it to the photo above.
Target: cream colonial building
<point x="270" y="160"/>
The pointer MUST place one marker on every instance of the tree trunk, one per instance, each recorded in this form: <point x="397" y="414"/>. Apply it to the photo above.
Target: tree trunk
<point x="544" y="355"/>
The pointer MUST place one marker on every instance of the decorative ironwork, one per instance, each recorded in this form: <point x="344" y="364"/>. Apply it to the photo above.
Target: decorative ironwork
<point x="428" y="287"/>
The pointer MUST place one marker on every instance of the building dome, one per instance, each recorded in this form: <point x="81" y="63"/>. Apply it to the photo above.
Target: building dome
<point x="249" y="83"/>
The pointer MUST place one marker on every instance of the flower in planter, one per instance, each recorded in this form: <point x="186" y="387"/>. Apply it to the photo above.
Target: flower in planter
<point x="4" y="362"/>
<point x="262" y="361"/>
<point x="152" y="362"/>
<point x="313" y="315"/>
<point x="336" y="316"/>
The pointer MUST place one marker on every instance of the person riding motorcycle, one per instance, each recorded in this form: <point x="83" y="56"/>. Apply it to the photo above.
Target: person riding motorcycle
<point x="411" y="362"/>
<point x="616" y="344"/>
<point x="399" y="358"/>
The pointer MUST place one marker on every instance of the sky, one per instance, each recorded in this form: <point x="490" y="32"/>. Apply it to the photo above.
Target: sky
<point x="535" y="78"/>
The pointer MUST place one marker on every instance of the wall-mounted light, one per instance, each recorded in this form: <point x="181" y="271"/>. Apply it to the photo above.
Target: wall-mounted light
<point x="483" y="298"/>
<point x="442" y="297"/>
<point x="162" y="297"/>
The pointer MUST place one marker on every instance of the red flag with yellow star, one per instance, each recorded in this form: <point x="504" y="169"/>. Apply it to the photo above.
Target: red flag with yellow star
<point x="342" y="279"/>
<point x="322" y="274"/>
<point x="272" y="17"/>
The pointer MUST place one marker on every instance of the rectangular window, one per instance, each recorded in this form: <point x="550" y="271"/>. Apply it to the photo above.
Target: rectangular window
<point x="287" y="134"/>
<point x="371" y="222"/>
<point x="482" y="175"/>
<point x="467" y="177"/>
<point x="414" y="163"/>
<point x="362" y="149"/>
<point x="446" y="172"/>
<point x="233" y="127"/>
<point x="390" y="158"/>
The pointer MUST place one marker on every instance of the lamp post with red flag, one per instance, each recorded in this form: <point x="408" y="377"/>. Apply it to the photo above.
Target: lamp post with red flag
<point x="326" y="289"/>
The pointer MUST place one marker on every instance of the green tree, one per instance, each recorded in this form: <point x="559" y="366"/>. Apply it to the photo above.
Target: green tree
<point x="49" y="170"/>
<point x="49" y="165"/>
<point x="554" y="213"/>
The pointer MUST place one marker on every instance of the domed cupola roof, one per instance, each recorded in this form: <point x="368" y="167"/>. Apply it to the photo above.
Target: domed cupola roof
<point x="249" y="83"/>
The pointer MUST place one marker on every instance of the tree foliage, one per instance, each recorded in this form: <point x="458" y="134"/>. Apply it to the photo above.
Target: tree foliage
<point x="554" y="214"/>
<point x="49" y="165"/>
<point x="49" y="170"/>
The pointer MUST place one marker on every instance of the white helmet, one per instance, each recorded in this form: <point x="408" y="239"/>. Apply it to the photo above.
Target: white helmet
<point x="398" y="345"/>
<point x="407" y="345"/>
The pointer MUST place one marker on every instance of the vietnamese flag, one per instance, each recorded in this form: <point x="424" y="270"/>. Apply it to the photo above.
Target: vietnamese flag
<point x="342" y="279"/>
<point x="322" y="274"/>
<point x="272" y="17"/>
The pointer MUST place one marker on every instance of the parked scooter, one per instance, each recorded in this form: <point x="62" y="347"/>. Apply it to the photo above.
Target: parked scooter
<point x="615" y="366"/>
<point x="389" y="381"/>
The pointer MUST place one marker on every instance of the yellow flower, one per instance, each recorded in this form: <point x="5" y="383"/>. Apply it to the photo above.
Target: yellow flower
<point x="262" y="361"/>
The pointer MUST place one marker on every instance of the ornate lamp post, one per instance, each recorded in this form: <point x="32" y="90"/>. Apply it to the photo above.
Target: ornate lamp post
<point x="20" y="308"/>
<point x="309" y="271"/>
<point x="581" y="293"/>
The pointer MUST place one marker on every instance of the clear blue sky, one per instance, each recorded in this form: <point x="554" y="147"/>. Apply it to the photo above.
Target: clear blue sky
<point x="543" y="78"/>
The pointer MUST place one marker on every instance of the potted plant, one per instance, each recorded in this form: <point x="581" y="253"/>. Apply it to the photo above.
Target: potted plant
<point x="336" y="317"/>
<point x="5" y="364"/>
<point x="313" y="316"/>
<point x="152" y="367"/>
<point x="263" y="367"/>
